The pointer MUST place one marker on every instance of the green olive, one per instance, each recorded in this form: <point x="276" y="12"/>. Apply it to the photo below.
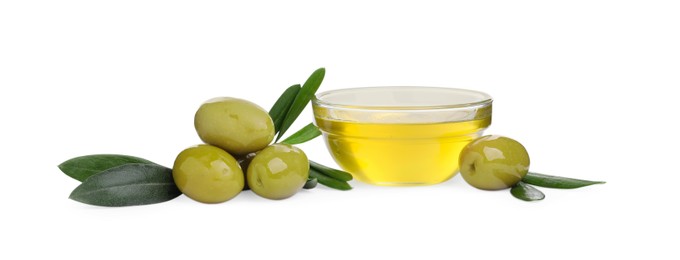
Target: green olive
<point x="207" y="174"/>
<point x="278" y="171"/>
<point x="493" y="162"/>
<point x="238" y="126"/>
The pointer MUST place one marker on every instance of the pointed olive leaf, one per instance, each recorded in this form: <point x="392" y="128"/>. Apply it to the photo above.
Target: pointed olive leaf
<point x="310" y="184"/>
<point x="526" y="192"/>
<point x="328" y="181"/>
<point x="305" y="134"/>
<point x="330" y="172"/>
<point x="282" y="105"/>
<point x="302" y="99"/>
<point x="80" y="168"/>
<point x="128" y="185"/>
<point x="556" y="182"/>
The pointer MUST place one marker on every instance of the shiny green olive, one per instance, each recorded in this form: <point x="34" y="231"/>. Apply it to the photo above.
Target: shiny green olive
<point x="493" y="162"/>
<point x="278" y="171"/>
<point x="238" y="126"/>
<point x="207" y="174"/>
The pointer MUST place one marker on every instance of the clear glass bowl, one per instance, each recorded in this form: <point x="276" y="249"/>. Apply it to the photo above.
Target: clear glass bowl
<point x="399" y="136"/>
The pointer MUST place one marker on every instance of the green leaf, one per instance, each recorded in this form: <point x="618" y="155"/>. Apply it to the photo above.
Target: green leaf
<point x="556" y="182"/>
<point x="330" y="172"/>
<point x="526" y="192"/>
<point x="302" y="99"/>
<point x="282" y="105"/>
<point x="128" y="185"/>
<point x="80" y="168"/>
<point x="310" y="184"/>
<point x="305" y="134"/>
<point x="328" y="181"/>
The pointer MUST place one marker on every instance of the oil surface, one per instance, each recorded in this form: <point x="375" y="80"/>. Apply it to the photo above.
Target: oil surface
<point x="399" y="154"/>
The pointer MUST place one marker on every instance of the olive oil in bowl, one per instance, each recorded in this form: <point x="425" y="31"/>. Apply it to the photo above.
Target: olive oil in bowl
<point x="400" y="136"/>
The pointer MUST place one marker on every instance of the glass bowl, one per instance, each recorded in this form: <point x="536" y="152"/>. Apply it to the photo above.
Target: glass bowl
<point x="400" y="136"/>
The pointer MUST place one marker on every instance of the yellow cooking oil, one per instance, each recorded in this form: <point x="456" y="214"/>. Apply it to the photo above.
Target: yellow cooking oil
<point x="399" y="154"/>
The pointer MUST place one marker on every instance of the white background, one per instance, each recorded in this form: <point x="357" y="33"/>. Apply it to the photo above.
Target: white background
<point x="587" y="86"/>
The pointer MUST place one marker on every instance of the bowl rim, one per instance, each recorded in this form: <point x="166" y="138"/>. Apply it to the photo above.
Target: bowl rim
<point x="318" y="99"/>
